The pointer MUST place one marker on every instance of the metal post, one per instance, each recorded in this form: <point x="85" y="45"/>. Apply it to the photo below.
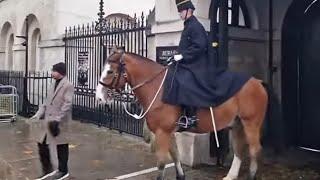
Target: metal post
<point x="25" y="105"/>
<point x="272" y="68"/>
<point x="213" y="45"/>
<point x="223" y="35"/>
<point x="101" y="25"/>
<point x="218" y="52"/>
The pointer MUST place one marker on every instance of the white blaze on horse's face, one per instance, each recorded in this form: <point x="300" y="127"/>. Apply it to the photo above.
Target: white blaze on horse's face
<point x="104" y="73"/>
<point x="101" y="91"/>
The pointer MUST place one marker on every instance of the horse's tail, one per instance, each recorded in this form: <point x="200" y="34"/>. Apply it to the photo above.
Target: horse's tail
<point x="237" y="134"/>
<point x="273" y="128"/>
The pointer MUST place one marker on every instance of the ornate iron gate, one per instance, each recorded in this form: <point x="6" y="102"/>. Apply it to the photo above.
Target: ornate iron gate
<point x="86" y="47"/>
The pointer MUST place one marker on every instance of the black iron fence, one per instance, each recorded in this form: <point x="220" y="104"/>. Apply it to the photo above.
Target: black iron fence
<point x="15" y="79"/>
<point x="113" y="115"/>
<point x="86" y="48"/>
<point x="38" y="84"/>
<point x="85" y="108"/>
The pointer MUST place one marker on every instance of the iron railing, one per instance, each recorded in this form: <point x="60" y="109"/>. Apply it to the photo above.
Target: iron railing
<point x="38" y="84"/>
<point x="85" y="107"/>
<point x="86" y="48"/>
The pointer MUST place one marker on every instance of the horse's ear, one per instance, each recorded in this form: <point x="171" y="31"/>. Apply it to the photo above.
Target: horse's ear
<point x="121" y="49"/>
<point x="114" y="49"/>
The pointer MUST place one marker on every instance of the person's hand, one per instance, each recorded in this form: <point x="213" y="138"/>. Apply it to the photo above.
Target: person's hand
<point x="34" y="118"/>
<point x="177" y="57"/>
<point x="54" y="128"/>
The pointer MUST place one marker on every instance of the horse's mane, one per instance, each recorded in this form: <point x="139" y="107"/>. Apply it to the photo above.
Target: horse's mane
<point x="139" y="57"/>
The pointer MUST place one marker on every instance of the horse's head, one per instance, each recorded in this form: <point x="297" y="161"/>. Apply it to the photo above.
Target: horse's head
<point x="113" y="77"/>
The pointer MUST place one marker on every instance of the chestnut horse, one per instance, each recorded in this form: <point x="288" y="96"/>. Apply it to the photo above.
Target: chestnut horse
<point x="146" y="76"/>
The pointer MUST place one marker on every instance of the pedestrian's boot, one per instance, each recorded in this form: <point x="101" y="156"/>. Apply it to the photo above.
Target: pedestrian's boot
<point x="47" y="170"/>
<point x="63" y="156"/>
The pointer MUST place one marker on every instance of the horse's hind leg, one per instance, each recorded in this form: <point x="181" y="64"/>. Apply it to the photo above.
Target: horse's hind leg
<point x="174" y="152"/>
<point x="162" y="151"/>
<point x="252" y="130"/>
<point x="238" y="143"/>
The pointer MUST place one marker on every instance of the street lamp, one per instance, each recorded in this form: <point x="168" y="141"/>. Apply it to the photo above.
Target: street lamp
<point x="25" y="104"/>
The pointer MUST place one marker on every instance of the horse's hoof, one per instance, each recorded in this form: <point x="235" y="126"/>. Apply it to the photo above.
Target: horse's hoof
<point x="228" y="178"/>
<point x="252" y="178"/>
<point x="159" y="178"/>
<point x="181" y="177"/>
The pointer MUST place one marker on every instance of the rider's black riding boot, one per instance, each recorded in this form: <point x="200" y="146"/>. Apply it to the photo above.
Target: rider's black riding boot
<point x="191" y="111"/>
<point x="188" y="119"/>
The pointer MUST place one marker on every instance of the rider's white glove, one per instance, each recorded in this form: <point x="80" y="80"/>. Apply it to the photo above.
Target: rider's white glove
<point x="178" y="57"/>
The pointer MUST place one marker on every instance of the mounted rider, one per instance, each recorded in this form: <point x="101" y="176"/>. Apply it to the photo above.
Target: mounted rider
<point x="192" y="81"/>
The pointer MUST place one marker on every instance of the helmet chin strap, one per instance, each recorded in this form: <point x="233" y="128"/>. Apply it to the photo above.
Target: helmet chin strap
<point x="185" y="18"/>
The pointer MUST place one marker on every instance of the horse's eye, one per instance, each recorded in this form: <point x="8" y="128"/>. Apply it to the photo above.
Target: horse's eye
<point x="109" y="72"/>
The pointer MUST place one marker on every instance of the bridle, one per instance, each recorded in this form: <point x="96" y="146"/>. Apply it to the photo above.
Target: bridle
<point x="121" y="71"/>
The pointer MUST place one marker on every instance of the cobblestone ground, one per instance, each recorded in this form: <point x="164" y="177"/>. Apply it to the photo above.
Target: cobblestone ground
<point x="99" y="153"/>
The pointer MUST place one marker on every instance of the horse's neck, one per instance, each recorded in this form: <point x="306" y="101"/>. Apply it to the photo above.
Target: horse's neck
<point x="142" y="71"/>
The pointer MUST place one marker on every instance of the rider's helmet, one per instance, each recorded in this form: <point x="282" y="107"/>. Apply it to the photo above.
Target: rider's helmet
<point x="184" y="4"/>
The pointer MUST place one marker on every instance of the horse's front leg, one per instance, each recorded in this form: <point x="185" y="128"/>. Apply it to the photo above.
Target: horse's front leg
<point x="174" y="152"/>
<point x="162" y="151"/>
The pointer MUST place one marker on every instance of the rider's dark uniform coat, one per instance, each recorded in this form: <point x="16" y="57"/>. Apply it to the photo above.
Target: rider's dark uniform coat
<point x="193" y="81"/>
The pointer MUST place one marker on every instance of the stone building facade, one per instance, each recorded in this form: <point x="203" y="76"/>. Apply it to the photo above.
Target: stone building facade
<point x="272" y="40"/>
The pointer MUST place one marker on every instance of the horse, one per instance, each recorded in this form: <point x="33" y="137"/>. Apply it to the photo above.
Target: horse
<point x="146" y="77"/>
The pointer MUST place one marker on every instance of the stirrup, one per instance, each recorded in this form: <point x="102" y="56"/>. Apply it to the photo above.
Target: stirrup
<point x="187" y="122"/>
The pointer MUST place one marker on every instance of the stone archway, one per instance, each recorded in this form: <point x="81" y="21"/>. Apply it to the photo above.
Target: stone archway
<point x="300" y="72"/>
<point x="6" y="44"/>
<point x="34" y="37"/>
<point x="9" y="53"/>
<point x="34" y="60"/>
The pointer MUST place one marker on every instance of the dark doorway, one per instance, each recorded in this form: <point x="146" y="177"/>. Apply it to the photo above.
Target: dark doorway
<point x="301" y="73"/>
<point x="309" y="82"/>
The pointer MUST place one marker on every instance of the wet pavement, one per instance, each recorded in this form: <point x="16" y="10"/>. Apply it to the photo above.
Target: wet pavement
<point x="95" y="153"/>
<point x="294" y="165"/>
<point x="98" y="154"/>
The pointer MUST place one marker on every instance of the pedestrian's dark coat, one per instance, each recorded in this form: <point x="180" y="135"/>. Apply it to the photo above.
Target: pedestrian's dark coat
<point x="193" y="81"/>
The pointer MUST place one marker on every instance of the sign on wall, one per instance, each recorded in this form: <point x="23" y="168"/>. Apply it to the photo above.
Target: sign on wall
<point x="165" y="52"/>
<point x="83" y="67"/>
